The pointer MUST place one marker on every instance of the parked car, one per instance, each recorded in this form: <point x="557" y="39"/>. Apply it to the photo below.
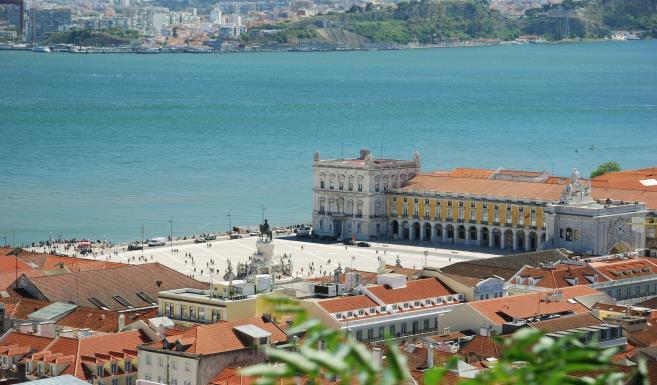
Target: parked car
<point x="135" y="246"/>
<point x="199" y="240"/>
<point x="348" y="242"/>
<point x="211" y="238"/>
<point x="362" y="244"/>
<point x="235" y="235"/>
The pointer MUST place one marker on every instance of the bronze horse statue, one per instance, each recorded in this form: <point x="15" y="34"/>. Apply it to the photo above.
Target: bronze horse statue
<point x="265" y="232"/>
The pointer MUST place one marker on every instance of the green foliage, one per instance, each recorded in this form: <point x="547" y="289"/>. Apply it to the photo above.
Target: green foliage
<point x="605" y="168"/>
<point x="528" y="358"/>
<point x="86" y="37"/>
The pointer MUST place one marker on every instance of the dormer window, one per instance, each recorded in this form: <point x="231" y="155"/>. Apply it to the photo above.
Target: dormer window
<point x="350" y="314"/>
<point x="427" y="302"/>
<point x="99" y="370"/>
<point x="449" y="299"/>
<point x="114" y="367"/>
<point x="128" y="366"/>
<point x="382" y="309"/>
<point x="372" y="310"/>
<point x="361" y="312"/>
<point x="406" y="305"/>
<point x="417" y="304"/>
<point x="338" y="315"/>
<point x="395" y="307"/>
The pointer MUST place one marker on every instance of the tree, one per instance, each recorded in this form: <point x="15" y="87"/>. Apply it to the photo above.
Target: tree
<point x="528" y="358"/>
<point x="605" y="168"/>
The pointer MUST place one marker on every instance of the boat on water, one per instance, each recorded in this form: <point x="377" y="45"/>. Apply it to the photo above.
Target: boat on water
<point x="40" y="48"/>
<point x="6" y="46"/>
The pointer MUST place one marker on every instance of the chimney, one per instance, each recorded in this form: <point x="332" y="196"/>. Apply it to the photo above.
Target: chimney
<point x="430" y="356"/>
<point x="121" y="322"/>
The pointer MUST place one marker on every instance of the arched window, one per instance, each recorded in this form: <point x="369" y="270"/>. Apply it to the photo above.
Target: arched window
<point x="332" y="181"/>
<point x="569" y="234"/>
<point x="378" y="208"/>
<point x="360" y="184"/>
<point x="393" y="181"/>
<point x="322" y="205"/>
<point x="385" y="183"/>
<point x="377" y="183"/>
<point x="322" y="180"/>
<point x="359" y="208"/>
<point x="350" y="207"/>
<point x="351" y="183"/>
<point x="340" y="182"/>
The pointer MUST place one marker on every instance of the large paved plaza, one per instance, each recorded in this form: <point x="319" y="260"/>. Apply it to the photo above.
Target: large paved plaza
<point x="322" y="256"/>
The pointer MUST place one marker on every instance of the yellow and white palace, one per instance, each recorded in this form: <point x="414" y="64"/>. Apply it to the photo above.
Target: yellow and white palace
<point x="376" y="199"/>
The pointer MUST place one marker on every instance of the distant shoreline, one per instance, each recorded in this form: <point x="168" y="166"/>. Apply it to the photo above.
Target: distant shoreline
<point x="203" y="50"/>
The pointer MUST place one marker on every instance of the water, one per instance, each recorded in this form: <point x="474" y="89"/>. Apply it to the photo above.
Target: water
<point x="97" y="145"/>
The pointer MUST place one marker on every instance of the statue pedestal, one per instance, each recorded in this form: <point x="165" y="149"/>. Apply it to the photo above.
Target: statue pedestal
<point x="265" y="250"/>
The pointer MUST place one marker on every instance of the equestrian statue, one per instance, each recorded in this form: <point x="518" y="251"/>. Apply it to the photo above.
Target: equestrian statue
<point x="265" y="232"/>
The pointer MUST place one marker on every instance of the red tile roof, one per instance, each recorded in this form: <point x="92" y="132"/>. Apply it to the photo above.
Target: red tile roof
<point x="414" y="291"/>
<point x="530" y="305"/>
<point x="627" y="180"/>
<point x="126" y="282"/>
<point x="31" y="342"/>
<point x="476" y="182"/>
<point x="73" y="349"/>
<point x="567" y="323"/>
<point x="104" y="321"/>
<point x="562" y="275"/>
<point x="622" y="268"/>
<point x="19" y="308"/>
<point x="481" y="347"/>
<point x="347" y="303"/>
<point x="220" y="337"/>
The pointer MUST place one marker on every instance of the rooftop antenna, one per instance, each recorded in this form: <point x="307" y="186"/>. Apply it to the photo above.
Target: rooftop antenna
<point x="230" y="225"/>
<point x="263" y="209"/>
<point x="171" y="233"/>
<point x="381" y="153"/>
<point x="142" y="240"/>
<point x="341" y="150"/>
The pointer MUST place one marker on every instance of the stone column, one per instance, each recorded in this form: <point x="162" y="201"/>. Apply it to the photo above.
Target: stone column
<point x="421" y="232"/>
<point x="491" y="239"/>
<point x="467" y="235"/>
<point x="527" y="243"/>
<point x="502" y="240"/>
<point x="515" y="240"/>
<point x="444" y="233"/>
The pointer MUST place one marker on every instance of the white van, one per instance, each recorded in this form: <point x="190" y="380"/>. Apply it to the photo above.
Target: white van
<point x="161" y="241"/>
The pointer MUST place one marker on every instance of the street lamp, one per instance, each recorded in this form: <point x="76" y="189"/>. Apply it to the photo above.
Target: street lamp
<point x="426" y="253"/>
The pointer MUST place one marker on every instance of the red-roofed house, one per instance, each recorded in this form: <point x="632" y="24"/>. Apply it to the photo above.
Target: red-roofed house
<point x="196" y="356"/>
<point x="14" y="346"/>
<point x="107" y="359"/>
<point x="503" y="315"/>
<point x="393" y="308"/>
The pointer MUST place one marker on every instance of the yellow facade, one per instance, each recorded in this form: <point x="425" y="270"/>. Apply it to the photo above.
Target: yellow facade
<point x="192" y="311"/>
<point x="515" y="212"/>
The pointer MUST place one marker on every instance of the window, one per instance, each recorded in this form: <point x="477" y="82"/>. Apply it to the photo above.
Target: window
<point x="405" y="209"/>
<point x="168" y="309"/>
<point x="521" y="216"/>
<point x="450" y="212"/>
<point x="114" y="367"/>
<point x="370" y="334"/>
<point x="173" y="363"/>
<point x="406" y="305"/>
<point x="473" y="214"/>
<point x="569" y="234"/>
<point x="361" y="312"/>
<point x="385" y="184"/>
<point x="360" y="184"/>
<point x="508" y="215"/>
<point x="381" y="331"/>
<point x="416" y="210"/>
<point x="392" y="330"/>
<point x="98" y="303"/>
<point x="148" y="359"/>
<point x="115" y="381"/>
<point x="128" y="366"/>
<point x="484" y="214"/>
<point x="341" y="184"/>
<point x="160" y="362"/>
<point x="187" y="367"/>
<point x="129" y="381"/>
<point x="461" y="214"/>
<point x="322" y="184"/>
<point x="496" y="214"/>
<point x="147" y="298"/>
<point x="100" y="371"/>
<point x="331" y="183"/>
<point x="403" y="328"/>
<point x="351" y="183"/>
<point x="122" y="301"/>
<point x="192" y="313"/>
<point x="651" y="232"/>
<point x="147" y="377"/>
<point x="359" y="335"/>
<point x="376" y="185"/>
<point x="426" y="324"/>
<point x="173" y="381"/>
<point x="201" y="314"/>
<point x="216" y="314"/>
<point x="427" y="211"/>
<point x="358" y="227"/>
<point x="437" y="209"/>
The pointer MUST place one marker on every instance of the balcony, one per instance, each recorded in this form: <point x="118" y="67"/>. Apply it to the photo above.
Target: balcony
<point x="358" y="215"/>
<point x="472" y="221"/>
